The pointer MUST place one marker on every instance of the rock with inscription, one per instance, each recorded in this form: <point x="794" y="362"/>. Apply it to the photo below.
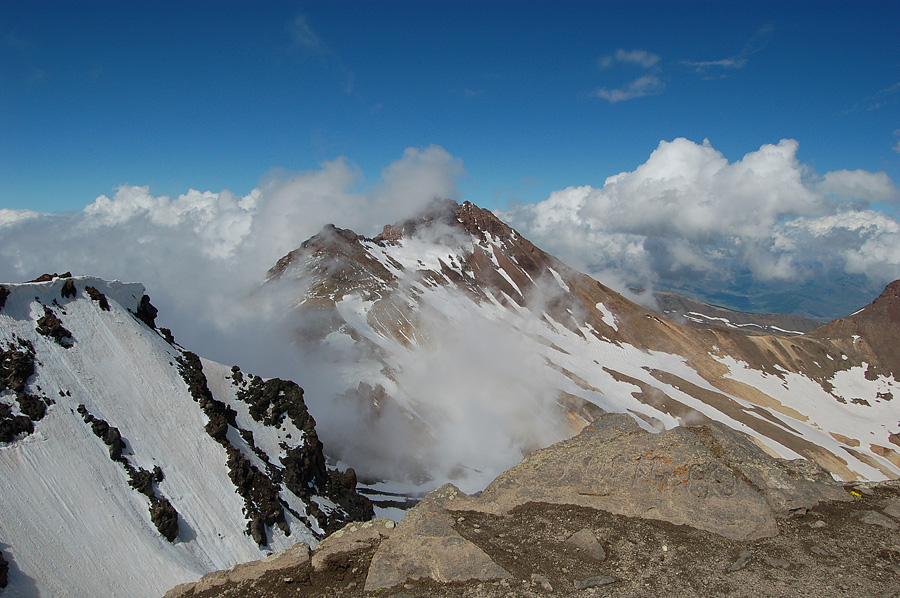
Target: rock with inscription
<point x="709" y="477"/>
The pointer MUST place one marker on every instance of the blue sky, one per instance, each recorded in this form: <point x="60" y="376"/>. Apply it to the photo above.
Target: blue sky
<point x="743" y="153"/>
<point x="531" y="96"/>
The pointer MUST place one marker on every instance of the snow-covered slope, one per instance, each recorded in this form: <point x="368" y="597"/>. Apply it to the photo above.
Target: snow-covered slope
<point x="70" y="522"/>
<point x="466" y="346"/>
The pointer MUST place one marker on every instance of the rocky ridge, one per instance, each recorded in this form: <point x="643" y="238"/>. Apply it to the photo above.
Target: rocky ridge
<point x="740" y="523"/>
<point x="112" y="434"/>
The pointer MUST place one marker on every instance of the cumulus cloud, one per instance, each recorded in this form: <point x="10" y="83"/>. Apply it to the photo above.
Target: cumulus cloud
<point x="859" y="184"/>
<point x="688" y="213"/>
<point x="200" y="253"/>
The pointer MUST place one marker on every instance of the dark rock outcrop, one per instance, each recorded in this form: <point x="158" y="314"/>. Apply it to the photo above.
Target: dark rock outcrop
<point x="48" y="277"/>
<point x="4" y="293"/>
<point x="302" y="469"/>
<point x="342" y="490"/>
<point x="97" y="296"/>
<point x="4" y="571"/>
<point x="16" y="367"/>
<point x="262" y="504"/>
<point x="164" y="517"/>
<point x="12" y="425"/>
<point x="162" y="514"/>
<point x="102" y="430"/>
<point x="146" y="312"/>
<point x="50" y="325"/>
<point x="68" y="289"/>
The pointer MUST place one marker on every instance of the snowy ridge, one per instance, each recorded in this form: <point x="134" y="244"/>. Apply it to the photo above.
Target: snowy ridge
<point x="574" y="347"/>
<point x="703" y="319"/>
<point x="71" y="524"/>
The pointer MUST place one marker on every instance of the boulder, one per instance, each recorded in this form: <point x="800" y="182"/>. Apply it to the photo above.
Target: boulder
<point x="425" y="546"/>
<point x="351" y="538"/>
<point x="709" y="477"/>
<point x="585" y="541"/>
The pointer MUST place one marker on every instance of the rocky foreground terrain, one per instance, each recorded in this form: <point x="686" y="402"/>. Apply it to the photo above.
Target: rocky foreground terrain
<point x="614" y="511"/>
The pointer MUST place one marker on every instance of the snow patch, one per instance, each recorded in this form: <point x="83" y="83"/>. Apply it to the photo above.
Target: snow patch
<point x="607" y="316"/>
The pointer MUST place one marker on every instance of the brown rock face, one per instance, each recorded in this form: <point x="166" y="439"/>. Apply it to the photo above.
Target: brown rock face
<point x="709" y="477"/>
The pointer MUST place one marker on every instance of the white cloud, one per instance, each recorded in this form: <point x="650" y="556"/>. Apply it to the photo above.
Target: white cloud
<point x="303" y="36"/>
<point x="306" y="39"/>
<point x="9" y="217"/>
<point x="202" y="253"/>
<point x="639" y="57"/>
<point x="859" y="184"/>
<point x="757" y="42"/>
<point x="648" y="84"/>
<point x="640" y="87"/>
<point x="419" y="176"/>
<point x="689" y="212"/>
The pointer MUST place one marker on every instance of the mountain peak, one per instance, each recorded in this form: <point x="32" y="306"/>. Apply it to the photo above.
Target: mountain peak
<point x="456" y="282"/>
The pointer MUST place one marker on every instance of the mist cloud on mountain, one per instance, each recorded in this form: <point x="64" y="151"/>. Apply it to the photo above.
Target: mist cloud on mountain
<point x="685" y="212"/>
<point x="202" y="253"/>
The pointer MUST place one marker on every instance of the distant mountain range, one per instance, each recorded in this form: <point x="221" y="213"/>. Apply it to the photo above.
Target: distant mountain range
<point x="816" y="299"/>
<point x="703" y="315"/>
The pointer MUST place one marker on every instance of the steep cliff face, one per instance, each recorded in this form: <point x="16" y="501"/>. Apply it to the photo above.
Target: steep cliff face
<point x="450" y="290"/>
<point x="128" y="464"/>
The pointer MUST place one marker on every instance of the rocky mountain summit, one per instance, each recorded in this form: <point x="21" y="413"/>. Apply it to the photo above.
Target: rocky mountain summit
<point x="560" y="348"/>
<point x="614" y="511"/>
